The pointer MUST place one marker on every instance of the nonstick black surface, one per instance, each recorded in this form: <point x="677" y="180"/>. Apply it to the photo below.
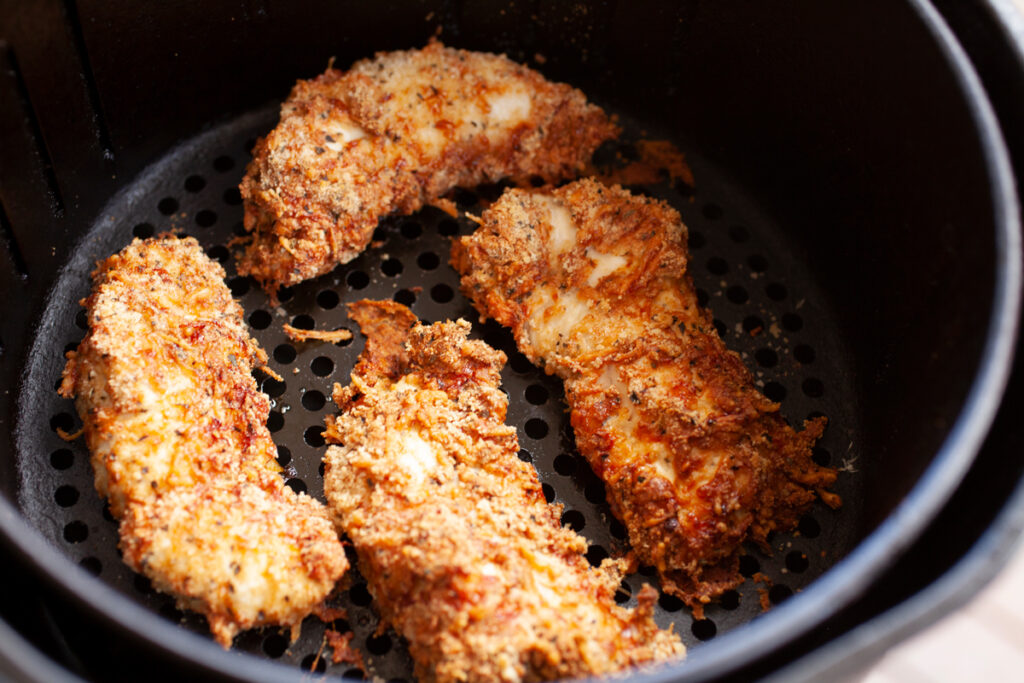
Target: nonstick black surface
<point x="765" y="305"/>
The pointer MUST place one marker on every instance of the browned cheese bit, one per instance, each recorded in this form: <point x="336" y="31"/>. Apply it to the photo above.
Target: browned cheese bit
<point x="461" y="551"/>
<point x="592" y="281"/>
<point x="392" y="134"/>
<point x="176" y="426"/>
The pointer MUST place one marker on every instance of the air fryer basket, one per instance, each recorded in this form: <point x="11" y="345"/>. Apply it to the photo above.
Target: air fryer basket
<point x="856" y="247"/>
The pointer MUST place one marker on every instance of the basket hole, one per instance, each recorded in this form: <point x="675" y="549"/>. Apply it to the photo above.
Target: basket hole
<point x="669" y="603"/>
<point x="574" y="519"/>
<point x="284" y="456"/>
<point x="596" y="554"/>
<point x="739" y="234"/>
<point x="809" y="527"/>
<point x="717" y="266"/>
<point x="284" y="353"/>
<point x="411" y="230"/>
<point x="565" y="465"/>
<point x="729" y="600"/>
<point x="357" y="279"/>
<point x="821" y="456"/>
<point x="775" y="392"/>
<point x="63" y="421"/>
<point x="536" y="428"/>
<point x="623" y="593"/>
<point x="441" y="293"/>
<point x="525" y="455"/>
<point x="206" y="218"/>
<point x="797" y="562"/>
<point x="143" y="231"/>
<point x="275" y="645"/>
<point x="696" y="240"/>
<point x="775" y="291"/>
<point x="792" y="322"/>
<point x="91" y="565"/>
<point x="391" y="267"/>
<point x="359" y="595"/>
<point x="273" y="387"/>
<point x="737" y="294"/>
<point x="704" y="629"/>
<point x="239" y="285"/>
<point x="779" y="593"/>
<point x="813" y="387"/>
<point x="313" y="436"/>
<point x="702" y="298"/>
<point x="766" y="358"/>
<point x="549" y="492"/>
<point x="303" y="322"/>
<point x="327" y="299"/>
<point x="62" y="459"/>
<point x="749" y="565"/>
<point x="406" y="297"/>
<point x="314" y="663"/>
<point x="195" y="183"/>
<point x="232" y="197"/>
<point x="618" y="530"/>
<point x="752" y="324"/>
<point x="595" y="492"/>
<point x="297" y="485"/>
<point x="167" y="206"/>
<point x="712" y="211"/>
<point x="378" y="645"/>
<point x="76" y="531"/>
<point x="804" y="354"/>
<point x="218" y="253"/>
<point x="428" y="260"/>
<point x="81" y="320"/>
<point x="322" y="366"/>
<point x="355" y="673"/>
<point x="519" y="362"/>
<point x="275" y="421"/>
<point x="313" y="400"/>
<point x="536" y="394"/>
<point x="719" y="327"/>
<point x="66" y="496"/>
<point x="260" y="319"/>
<point x="448" y="227"/>
<point x="223" y="163"/>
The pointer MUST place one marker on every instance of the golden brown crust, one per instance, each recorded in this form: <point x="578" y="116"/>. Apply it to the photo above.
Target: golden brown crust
<point x="176" y="427"/>
<point x="392" y="134"/>
<point x="592" y="281"/>
<point x="462" y="553"/>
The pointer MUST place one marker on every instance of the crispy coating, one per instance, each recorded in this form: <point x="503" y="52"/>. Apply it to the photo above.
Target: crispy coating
<point x="462" y="553"/>
<point x="394" y="133"/>
<point x="592" y="281"/>
<point x="176" y="427"/>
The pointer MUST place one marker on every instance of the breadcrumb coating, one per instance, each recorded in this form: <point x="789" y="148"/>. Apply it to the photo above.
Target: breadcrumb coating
<point x="392" y="134"/>
<point x="592" y="281"/>
<point x="461" y="551"/>
<point x="176" y="428"/>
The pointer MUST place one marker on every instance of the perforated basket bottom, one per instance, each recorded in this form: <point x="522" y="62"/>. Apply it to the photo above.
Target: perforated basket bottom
<point x="765" y="307"/>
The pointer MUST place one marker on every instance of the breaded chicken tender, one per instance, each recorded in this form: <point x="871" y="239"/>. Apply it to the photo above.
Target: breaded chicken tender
<point x="392" y="134"/>
<point x="592" y="281"/>
<point x="176" y="427"/>
<point x="461" y="551"/>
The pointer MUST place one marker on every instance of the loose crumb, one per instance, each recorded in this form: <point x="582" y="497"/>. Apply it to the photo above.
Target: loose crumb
<point x="333" y="336"/>
<point x="341" y="645"/>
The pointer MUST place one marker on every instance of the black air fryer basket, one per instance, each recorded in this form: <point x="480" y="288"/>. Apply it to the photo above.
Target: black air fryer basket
<point x="853" y="228"/>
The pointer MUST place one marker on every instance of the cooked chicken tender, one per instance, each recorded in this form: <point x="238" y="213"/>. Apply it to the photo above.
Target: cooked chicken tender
<point x="592" y="282"/>
<point x="392" y="134"/>
<point x="461" y="552"/>
<point x="176" y="427"/>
